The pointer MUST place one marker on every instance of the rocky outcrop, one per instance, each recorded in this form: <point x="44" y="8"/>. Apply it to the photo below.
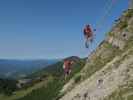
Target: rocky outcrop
<point x="109" y="68"/>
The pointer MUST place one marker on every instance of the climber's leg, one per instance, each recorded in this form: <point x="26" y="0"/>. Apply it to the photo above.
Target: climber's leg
<point x="87" y="43"/>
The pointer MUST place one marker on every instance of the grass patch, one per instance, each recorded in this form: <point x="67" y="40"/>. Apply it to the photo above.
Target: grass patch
<point x="77" y="78"/>
<point x="129" y="13"/>
<point x="130" y="97"/>
<point x="24" y="92"/>
<point x="122" y="25"/>
<point x="49" y="92"/>
<point x="110" y="34"/>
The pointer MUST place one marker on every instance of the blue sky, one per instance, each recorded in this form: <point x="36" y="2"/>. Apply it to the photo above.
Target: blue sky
<point x="37" y="29"/>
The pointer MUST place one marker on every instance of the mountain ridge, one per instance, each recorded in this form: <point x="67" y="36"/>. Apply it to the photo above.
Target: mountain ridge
<point x="11" y="68"/>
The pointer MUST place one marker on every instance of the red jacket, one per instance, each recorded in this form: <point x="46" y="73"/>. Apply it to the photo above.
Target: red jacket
<point x="67" y="64"/>
<point x="88" y="32"/>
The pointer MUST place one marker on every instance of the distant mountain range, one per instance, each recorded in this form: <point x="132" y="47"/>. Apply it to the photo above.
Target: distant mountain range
<point x="52" y="77"/>
<point x="21" y="68"/>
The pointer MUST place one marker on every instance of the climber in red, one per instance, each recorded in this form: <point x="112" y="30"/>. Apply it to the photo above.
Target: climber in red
<point x="67" y="67"/>
<point x="88" y="33"/>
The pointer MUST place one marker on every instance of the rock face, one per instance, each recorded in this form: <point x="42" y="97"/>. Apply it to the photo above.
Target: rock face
<point x="131" y="4"/>
<point x="108" y="73"/>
